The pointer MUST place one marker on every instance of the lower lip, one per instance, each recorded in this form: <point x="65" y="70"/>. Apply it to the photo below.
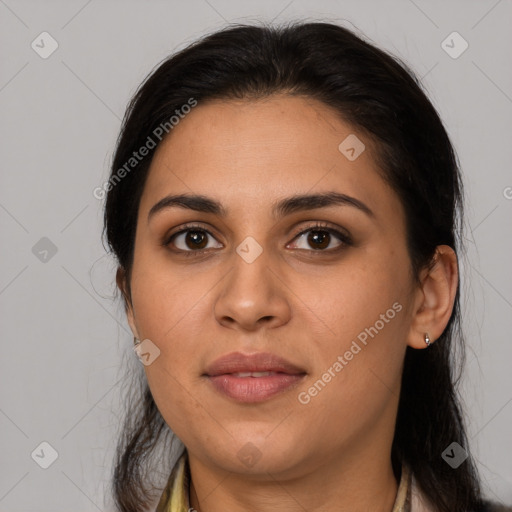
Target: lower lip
<point x="254" y="389"/>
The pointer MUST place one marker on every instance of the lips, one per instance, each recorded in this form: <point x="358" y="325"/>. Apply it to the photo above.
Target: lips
<point x="237" y="362"/>
<point x="253" y="377"/>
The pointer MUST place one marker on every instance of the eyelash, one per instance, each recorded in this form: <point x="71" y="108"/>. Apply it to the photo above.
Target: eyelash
<point x="344" y="239"/>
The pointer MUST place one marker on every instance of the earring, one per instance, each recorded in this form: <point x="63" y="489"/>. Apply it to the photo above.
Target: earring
<point x="427" y="339"/>
<point x="136" y="341"/>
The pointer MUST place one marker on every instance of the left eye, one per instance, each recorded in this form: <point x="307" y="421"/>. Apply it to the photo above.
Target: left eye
<point x="192" y="239"/>
<point x="320" y="239"/>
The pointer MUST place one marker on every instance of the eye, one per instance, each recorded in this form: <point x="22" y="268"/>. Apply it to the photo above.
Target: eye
<point x="192" y="239"/>
<point x="321" y="238"/>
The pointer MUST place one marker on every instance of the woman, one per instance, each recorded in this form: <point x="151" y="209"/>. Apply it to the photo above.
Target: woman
<point x="285" y="206"/>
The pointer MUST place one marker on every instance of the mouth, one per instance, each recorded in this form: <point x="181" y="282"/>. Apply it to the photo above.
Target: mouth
<point x="253" y="378"/>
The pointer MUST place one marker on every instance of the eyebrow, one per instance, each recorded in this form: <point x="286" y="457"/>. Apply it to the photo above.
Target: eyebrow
<point x="297" y="203"/>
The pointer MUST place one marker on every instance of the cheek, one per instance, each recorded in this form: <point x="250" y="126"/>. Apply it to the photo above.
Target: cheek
<point x="177" y="401"/>
<point x="164" y="305"/>
<point x="358" y="354"/>
<point x="357" y="375"/>
<point x="167" y="313"/>
<point x="360" y="294"/>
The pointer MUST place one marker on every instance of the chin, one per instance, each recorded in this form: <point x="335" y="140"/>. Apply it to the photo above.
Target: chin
<point x="253" y="455"/>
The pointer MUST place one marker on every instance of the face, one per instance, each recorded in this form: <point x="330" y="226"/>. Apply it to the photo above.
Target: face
<point x="253" y="267"/>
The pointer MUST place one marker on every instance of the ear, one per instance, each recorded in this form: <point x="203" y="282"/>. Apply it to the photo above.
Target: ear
<point x="122" y="284"/>
<point x="434" y="298"/>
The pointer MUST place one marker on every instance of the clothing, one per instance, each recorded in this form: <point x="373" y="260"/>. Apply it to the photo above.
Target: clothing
<point x="175" y="497"/>
<point x="409" y="498"/>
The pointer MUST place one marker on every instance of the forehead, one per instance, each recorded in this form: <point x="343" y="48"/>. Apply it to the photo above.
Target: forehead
<point x="278" y="128"/>
<point x="254" y="151"/>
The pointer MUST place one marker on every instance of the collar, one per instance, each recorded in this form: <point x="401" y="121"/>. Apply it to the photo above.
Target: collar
<point x="175" y="497"/>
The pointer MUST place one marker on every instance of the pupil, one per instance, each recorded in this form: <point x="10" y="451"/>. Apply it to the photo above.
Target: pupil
<point x="319" y="238"/>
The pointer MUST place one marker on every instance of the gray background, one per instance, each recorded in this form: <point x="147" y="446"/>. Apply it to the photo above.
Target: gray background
<point x="65" y="341"/>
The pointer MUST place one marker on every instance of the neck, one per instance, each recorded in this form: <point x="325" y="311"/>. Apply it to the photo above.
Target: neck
<point x="356" y="484"/>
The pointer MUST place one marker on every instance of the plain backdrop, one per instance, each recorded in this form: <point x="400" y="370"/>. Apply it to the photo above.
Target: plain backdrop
<point x="64" y="338"/>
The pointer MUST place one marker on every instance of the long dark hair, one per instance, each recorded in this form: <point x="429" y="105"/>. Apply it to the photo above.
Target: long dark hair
<point x="376" y="93"/>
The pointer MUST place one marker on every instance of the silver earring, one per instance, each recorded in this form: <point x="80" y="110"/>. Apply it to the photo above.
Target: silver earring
<point x="427" y="339"/>
<point x="136" y="341"/>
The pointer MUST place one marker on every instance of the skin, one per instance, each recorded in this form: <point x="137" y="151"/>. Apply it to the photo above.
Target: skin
<point x="300" y="302"/>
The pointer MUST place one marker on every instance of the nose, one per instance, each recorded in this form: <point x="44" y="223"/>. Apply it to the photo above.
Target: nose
<point x="252" y="297"/>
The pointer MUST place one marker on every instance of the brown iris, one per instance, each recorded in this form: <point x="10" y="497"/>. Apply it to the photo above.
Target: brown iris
<point x="196" y="239"/>
<point x="319" y="238"/>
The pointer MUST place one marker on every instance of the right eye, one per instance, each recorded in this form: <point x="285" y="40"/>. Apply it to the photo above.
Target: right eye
<point x="192" y="239"/>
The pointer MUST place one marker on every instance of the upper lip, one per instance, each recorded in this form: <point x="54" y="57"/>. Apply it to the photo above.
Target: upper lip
<point x="260" y="362"/>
